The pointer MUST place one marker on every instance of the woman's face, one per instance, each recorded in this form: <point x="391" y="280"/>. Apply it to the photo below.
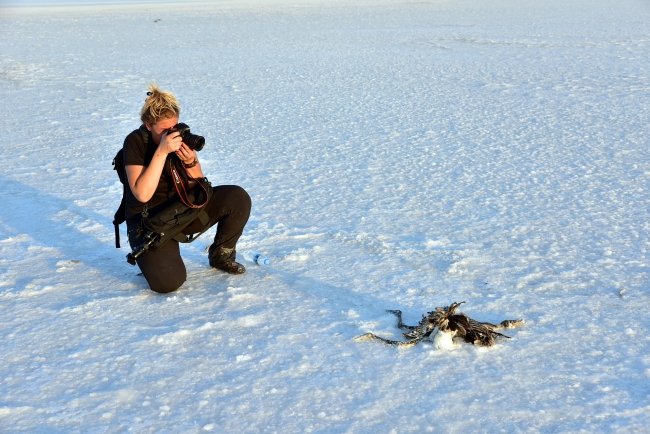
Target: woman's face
<point x="160" y="128"/>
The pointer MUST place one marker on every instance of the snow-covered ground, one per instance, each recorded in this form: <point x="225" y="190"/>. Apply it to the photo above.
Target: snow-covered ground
<point x="399" y="154"/>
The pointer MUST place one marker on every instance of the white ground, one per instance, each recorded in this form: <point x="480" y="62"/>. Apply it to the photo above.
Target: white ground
<point x="400" y="155"/>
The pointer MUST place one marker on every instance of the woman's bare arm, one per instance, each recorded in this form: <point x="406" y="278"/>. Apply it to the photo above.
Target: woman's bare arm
<point x="143" y="180"/>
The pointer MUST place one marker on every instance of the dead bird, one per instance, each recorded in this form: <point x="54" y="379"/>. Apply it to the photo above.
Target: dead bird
<point x="442" y="325"/>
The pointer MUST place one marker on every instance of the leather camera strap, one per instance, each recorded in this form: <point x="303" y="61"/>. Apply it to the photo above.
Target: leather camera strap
<point x="180" y="187"/>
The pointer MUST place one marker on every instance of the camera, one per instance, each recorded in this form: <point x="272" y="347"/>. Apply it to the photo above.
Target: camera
<point x="140" y="250"/>
<point x="193" y="141"/>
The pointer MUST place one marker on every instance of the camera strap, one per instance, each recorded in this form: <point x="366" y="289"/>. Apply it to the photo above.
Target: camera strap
<point x="182" y="191"/>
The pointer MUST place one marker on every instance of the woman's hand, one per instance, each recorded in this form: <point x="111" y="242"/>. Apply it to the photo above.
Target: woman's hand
<point x="186" y="154"/>
<point x="170" y="142"/>
<point x="188" y="157"/>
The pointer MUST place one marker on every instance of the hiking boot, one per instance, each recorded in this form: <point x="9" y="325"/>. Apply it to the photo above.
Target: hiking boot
<point x="223" y="259"/>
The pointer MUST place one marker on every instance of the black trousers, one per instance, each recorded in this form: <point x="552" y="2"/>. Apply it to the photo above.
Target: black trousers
<point x="229" y="206"/>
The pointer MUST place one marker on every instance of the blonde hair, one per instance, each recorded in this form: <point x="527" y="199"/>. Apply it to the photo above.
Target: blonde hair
<point x="159" y="105"/>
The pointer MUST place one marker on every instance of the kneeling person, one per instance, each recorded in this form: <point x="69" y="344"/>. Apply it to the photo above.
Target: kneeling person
<point x="151" y="188"/>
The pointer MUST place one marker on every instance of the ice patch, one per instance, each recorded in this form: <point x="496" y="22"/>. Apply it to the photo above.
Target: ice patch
<point x="432" y="244"/>
<point x="7" y="411"/>
<point x="33" y="289"/>
<point x="299" y="255"/>
<point x="249" y="320"/>
<point x="22" y="238"/>
<point x="67" y="265"/>
<point x="173" y="338"/>
<point x="206" y="326"/>
<point x="245" y="299"/>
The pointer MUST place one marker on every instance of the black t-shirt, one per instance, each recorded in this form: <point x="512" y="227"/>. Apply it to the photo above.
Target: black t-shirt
<point x="136" y="153"/>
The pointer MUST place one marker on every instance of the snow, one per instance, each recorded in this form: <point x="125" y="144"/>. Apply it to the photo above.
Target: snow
<point x="399" y="154"/>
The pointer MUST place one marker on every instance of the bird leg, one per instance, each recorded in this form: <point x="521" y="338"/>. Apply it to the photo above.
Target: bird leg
<point x="400" y="323"/>
<point x="399" y="344"/>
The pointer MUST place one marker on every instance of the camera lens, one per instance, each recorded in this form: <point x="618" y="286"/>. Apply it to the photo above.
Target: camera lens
<point x="194" y="141"/>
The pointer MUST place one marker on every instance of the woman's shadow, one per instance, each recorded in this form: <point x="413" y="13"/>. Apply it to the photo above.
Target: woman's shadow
<point x="57" y="232"/>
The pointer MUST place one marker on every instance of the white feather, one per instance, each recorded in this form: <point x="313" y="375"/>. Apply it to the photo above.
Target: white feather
<point x="443" y="340"/>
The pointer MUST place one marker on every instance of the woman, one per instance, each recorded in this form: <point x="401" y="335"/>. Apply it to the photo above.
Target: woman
<point x="145" y="153"/>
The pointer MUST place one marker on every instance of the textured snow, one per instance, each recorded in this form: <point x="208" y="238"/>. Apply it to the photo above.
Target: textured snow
<point x="400" y="155"/>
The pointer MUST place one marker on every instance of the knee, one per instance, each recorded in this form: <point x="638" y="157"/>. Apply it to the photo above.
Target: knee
<point x="165" y="289"/>
<point x="240" y="197"/>
<point x="168" y="284"/>
<point x="243" y="197"/>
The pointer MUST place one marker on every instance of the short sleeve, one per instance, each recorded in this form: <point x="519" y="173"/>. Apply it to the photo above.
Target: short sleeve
<point x="134" y="150"/>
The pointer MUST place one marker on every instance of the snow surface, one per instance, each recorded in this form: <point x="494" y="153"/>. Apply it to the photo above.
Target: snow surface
<point x="400" y="155"/>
